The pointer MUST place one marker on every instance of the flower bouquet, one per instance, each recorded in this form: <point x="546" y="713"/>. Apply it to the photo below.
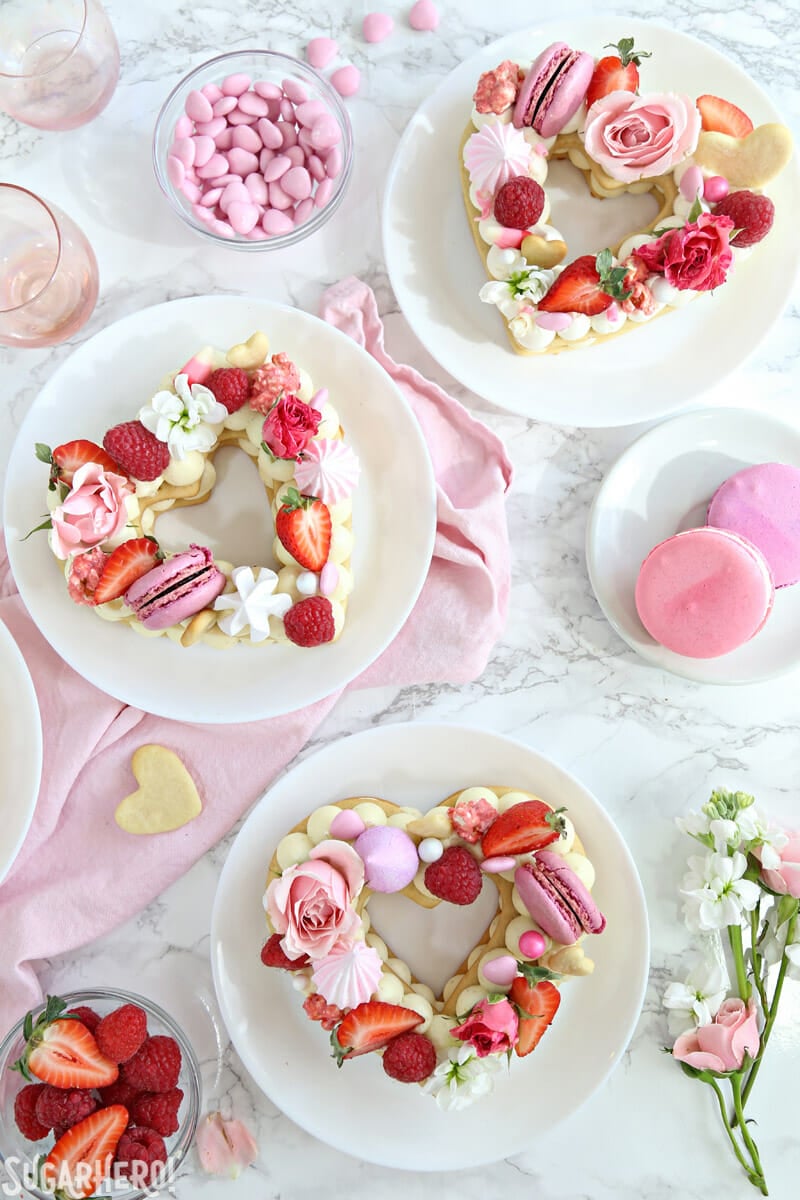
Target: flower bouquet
<point x="745" y="890"/>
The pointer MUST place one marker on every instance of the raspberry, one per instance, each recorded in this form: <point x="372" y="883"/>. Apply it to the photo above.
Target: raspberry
<point x="273" y="956"/>
<point x="86" y="1016"/>
<point x="231" y="387"/>
<point x="137" y="450"/>
<point x="158" y="1111"/>
<point x="277" y="376"/>
<point x="455" y="877"/>
<point x="141" y="1153"/>
<point x="155" y="1066"/>
<point x="119" y="1092"/>
<point x="310" y="623"/>
<point x="84" y="577"/>
<point x="471" y="819"/>
<point x="121" y="1033"/>
<point x="28" y="1123"/>
<point x="751" y="214"/>
<point x="519" y="203"/>
<point x="410" y="1058"/>
<point x="64" y="1107"/>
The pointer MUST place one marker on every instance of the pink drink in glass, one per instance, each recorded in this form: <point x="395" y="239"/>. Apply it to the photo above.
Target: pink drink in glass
<point x="59" y="61"/>
<point x="48" y="271"/>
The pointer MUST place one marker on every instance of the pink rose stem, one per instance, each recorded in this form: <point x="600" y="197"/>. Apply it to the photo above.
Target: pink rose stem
<point x="736" y="1087"/>
<point x="735" y="938"/>
<point x="757" y="1179"/>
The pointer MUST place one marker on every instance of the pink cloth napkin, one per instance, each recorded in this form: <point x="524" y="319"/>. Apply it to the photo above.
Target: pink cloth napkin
<point x="78" y="875"/>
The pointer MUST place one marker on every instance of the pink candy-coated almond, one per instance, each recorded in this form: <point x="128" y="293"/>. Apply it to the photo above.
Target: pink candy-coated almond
<point x="256" y="234"/>
<point x="333" y="163"/>
<point x="553" y="321"/>
<point x="501" y="970"/>
<point x="346" y="80"/>
<point x="234" y="193"/>
<point x="288" y="134"/>
<point x="276" y="223"/>
<point x="184" y="127"/>
<point x="216" y="165"/>
<point x="320" y="51"/>
<point x="270" y="134"/>
<point x="203" y="214"/>
<point x="323" y="193"/>
<point x="241" y="162"/>
<point x="211" y="128"/>
<point x="310" y="111"/>
<point x="377" y="26"/>
<point x="224" y="105"/>
<point x="297" y="155"/>
<point x="325" y="133"/>
<point x="222" y="228"/>
<point x="212" y="92"/>
<point x="692" y="182"/>
<point x="253" y="104"/>
<point x="278" y="197"/>
<point x="279" y="166"/>
<point x="297" y="183"/>
<point x="210" y="197"/>
<point x="274" y="110"/>
<point x="328" y="579"/>
<point x="243" y="215"/>
<point x="257" y="188"/>
<point x="198" y="107"/>
<point x="265" y="158"/>
<point x="304" y="140"/>
<point x="176" y="171"/>
<point x="294" y="91"/>
<point x="287" y="110"/>
<point x="191" y="191"/>
<point x="303" y="211"/>
<point x="224" y="140"/>
<point x="246" y="138"/>
<point x="498" y="863"/>
<point x="235" y="85"/>
<point x="269" y="91"/>
<point x="185" y="150"/>
<point x="315" y="167"/>
<point x="424" y="16"/>
<point x="237" y="117"/>
<point x="222" y="180"/>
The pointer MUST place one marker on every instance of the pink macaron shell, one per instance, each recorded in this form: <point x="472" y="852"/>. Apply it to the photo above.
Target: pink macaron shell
<point x="762" y="503"/>
<point x="547" y="908"/>
<point x="573" y="889"/>
<point x="193" y="580"/>
<point x="704" y="592"/>
<point x="566" y="95"/>
<point x="533" y="85"/>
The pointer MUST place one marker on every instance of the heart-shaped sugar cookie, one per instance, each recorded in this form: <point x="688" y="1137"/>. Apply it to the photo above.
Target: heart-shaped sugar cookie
<point x="749" y="162"/>
<point x="166" y="797"/>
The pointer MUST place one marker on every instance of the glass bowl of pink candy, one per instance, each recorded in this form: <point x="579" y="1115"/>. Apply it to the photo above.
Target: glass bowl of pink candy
<point x="253" y="150"/>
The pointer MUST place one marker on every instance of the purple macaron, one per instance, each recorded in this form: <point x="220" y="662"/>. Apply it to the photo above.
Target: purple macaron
<point x="556" y="899"/>
<point x="553" y="89"/>
<point x="176" y="589"/>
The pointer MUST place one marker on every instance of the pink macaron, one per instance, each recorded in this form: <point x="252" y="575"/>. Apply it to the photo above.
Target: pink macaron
<point x="704" y="592"/>
<point x="557" y="900"/>
<point x="553" y="89"/>
<point x="762" y="504"/>
<point x="176" y="589"/>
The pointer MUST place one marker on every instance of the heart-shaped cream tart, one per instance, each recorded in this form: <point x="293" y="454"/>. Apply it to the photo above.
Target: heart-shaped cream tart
<point x="166" y="797"/>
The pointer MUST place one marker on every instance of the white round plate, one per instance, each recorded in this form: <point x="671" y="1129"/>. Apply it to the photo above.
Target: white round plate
<point x="663" y="484"/>
<point x="359" y="1109"/>
<point x="436" y="272"/>
<point x="20" y="750"/>
<point x="107" y="380"/>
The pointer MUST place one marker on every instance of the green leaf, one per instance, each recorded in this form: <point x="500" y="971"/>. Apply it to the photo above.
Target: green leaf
<point x="627" y="54"/>
<point x="695" y="211"/>
<point x="534" y="974"/>
<point x="44" y="453"/>
<point x="612" y="279"/>
<point x="48" y="524"/>
<point x="268" y="452"/>
<point x="603" y="262"/>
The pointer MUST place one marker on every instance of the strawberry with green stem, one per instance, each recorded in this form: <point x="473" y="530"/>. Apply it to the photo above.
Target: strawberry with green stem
<point x="616" y="72"/>
<point x="61" y="1051"/>
<point x="589" y="285"/>
<point x="303" y="526"/>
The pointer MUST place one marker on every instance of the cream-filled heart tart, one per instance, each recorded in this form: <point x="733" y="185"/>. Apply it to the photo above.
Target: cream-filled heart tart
<point x="105" y="500"/>
<point x="506" y="992"/>
<point x="701" y="159"/>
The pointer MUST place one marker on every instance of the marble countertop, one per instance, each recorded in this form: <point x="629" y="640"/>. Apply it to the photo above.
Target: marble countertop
<point x="646" y="743"/>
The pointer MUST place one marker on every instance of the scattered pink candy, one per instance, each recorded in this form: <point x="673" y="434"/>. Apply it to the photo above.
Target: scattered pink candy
<point x="501" y="970"/>
<point x="377" y="26"/>
<point x="346" y="80"/>
<point x="320" y="51"/>
<point x="424" y="16"/>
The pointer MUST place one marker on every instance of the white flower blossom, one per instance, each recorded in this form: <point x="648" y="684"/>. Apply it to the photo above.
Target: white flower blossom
<point x="743" y="828"/>
<point x="772" y="944"/>
<point x="522" y="284"/>
<point x="715" y="894"/>
<point x="183" y="418"/>
<point x="695" y="1001"/>
<point x="462" y="1078"/>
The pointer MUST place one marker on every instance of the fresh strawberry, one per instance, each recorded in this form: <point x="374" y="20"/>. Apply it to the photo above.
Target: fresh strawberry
<point x="272" y="955"/>
<point x="81" y="1158"/>
<point x="752" y="215"/>
<point x="138" y="450"/>
<point x="61" y="1051"/>
<point x="231" y="387"/>
<point x="537" y="1004"/>
<point x="527" y="826"/>
<point x="371" y="1026"/>
<point x="124" y="566"/>
<point x="65" y="460"/>
<point x="410" y="1058"/>
<point x="616" y="72"/>
<point x="310" y="622"/>
<point x="455" y="877"/>
<point x="303" y="525"/>
<point x="589" y="285"/>
<point x="720" y="116"/>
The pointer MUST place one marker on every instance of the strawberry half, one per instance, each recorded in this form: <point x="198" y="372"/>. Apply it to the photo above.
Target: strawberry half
<point x="537" y="1004"/>
<point x="371" y="1026"/>
<point x="303" y="526"/>
<point x="720" y="116"/>
<point x="65" y="460"/>
<point x="525" y="827"/>
<point x="82" y="1157"/>
<point x="589" y="285"/>
<point x="61" y="1051"/>
<point x="124" y="566"/>
<point x="616" y="72"/>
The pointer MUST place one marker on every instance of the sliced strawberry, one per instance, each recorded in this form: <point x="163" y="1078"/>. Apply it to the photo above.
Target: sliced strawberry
<point x="527" y="826"/>
<point x="720" y="116"/>
<point x="616" y="72"/>
<point x="82" y="1157"/>
<point x="537" y="1005"/>
<point x="124" y="566"/>
<point x="303" y="526"/>
<point x="61" y="1051"/>
<point x="65" y="460"/>
<point x="371" y="1026"/>
<point x="589" y="285"/>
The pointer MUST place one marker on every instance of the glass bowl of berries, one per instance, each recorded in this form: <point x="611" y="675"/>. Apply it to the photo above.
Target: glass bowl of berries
<point x="99" y="1095"/>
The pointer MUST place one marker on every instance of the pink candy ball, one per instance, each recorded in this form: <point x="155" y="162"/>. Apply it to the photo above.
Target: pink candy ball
<point x="532" y="944"/>
<point x="716" y="189"/>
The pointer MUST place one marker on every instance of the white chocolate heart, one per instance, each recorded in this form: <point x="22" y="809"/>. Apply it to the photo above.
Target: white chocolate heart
<point x="250" y="354"/>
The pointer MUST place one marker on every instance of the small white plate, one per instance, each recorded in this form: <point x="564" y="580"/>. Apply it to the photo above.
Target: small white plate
<point x="359" y="1109"/>
<point x="20" y="750"/>
<point x="436" y="272"/>
<point x="663" y="484"/>
<point x="107" y="380"/>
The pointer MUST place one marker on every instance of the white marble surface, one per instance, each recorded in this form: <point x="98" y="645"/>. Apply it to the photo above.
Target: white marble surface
<point x="646" y="743"/>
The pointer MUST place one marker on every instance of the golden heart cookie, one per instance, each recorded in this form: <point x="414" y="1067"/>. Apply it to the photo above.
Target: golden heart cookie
<point x="250" y="354"/>
<point x="166" y="797"/>
<point x="325" y="870"/>
<point x="749" y="162"/>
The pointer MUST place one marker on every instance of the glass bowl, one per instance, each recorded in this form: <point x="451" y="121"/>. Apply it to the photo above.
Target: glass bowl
<point x="17" y="1154"/>
<point x="261" y="65"/>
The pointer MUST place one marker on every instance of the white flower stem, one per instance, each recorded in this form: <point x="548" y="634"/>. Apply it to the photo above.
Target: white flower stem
<point x="758" y="965"/>
<point x="772" y="1012"/>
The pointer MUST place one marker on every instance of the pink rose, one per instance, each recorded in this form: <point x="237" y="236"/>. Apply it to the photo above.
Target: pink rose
<point x="694" y="257"/>
<point x="290" y="426"/>
<point x="635" y="137"/>
<point x="785" y="879"/>
<point x="490" y="1028"/>
<point x="93" y="511"/>
<point x="311" y="904"/>
<point x="721" y="1045"/>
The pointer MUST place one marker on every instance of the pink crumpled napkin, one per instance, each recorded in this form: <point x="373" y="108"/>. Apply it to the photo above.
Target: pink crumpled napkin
<point x="78" y="875"/>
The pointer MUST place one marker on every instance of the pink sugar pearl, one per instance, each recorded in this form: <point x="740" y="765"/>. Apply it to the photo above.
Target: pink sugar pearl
<point x="237" y="117"/>
<point x="532" y="944"/>
<point x="276" y="223"/>
<point x="233" y="193"/>
<point x="346" y="80"/>
<point x="376" y="27"/>
<point x="310" y="111"/>
<point x="716" y="188"/>
<point x="216" y="165"/>
<point x="320" y="51"/>
<point x="269" y="91"/>
<point x="235" y="85"/>
<point x="210" y="198"/>
<point x="424" y="16"/>
<point x="198" y="107"/>
<point x="297" y="183"/>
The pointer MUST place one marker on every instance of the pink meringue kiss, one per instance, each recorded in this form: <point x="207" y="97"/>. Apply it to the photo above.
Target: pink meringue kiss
<point x="328" y="470"/>
<point x="494" y="155"/>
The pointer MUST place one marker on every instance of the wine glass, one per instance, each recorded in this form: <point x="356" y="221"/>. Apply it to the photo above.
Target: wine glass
<point x="48" y="271"/>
